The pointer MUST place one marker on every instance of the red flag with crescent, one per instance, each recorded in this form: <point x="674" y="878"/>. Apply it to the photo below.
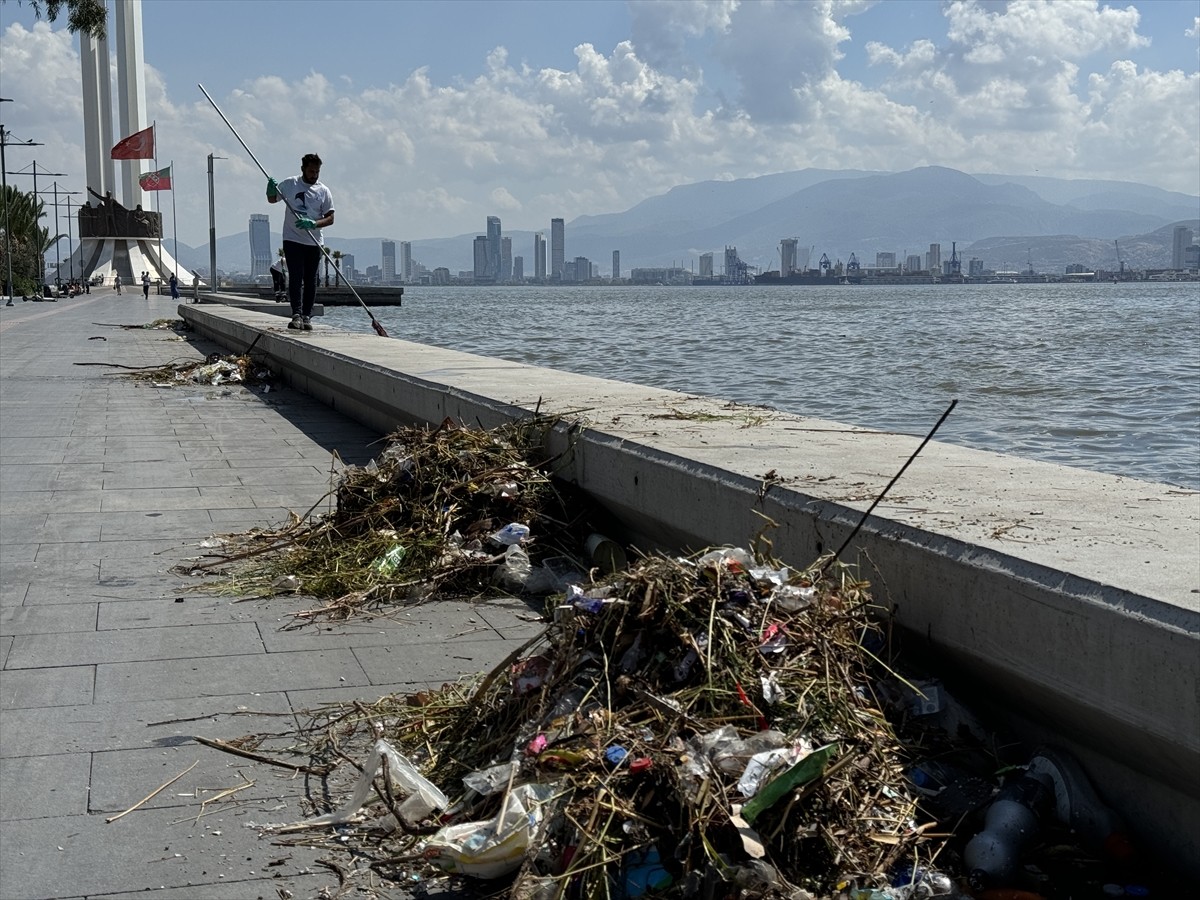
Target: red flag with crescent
<point x="136" y="146"/>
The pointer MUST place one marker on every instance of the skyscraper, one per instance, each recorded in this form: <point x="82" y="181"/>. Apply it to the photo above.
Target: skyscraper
<point x="493" y="248"/>
<point x="539" y="256"/>
<point x="518" y="272"/>
<point x="260" y="245"/>
<point x="506" y="259"/>
<point x="933" y="260"/>
<point x="1181" y="239"/>
<point x="389" y="262"/>
<point x="480" y="259"/>
<point x="557" y="248"/>
<point x="406" y="268"/>
<point x="616" y="264"/>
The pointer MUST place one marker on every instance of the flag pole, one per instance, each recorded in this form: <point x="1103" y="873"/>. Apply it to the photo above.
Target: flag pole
<point x="174" y="223"/>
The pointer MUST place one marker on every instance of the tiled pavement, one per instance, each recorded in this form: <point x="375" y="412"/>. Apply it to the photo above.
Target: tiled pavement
<point x="107" y="483"/>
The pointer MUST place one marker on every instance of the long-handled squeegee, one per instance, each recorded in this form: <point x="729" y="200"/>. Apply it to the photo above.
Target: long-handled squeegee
<point x="375" y="323"/>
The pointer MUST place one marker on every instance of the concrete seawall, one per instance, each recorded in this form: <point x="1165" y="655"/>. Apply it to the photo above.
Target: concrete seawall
<point x="1070" y="597"/>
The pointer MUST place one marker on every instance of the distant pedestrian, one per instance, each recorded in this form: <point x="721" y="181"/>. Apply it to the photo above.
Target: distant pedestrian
<point x="146" y="285"/>
<point x="310" y="208"/>
<point x="117" y="282"/>
<point x="279" y="280"/>
<point x="174" y="283"/>
<point x="195" y="286"/>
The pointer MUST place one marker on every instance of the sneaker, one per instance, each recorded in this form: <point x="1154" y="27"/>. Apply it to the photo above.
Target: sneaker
<point x="307" y="323"/>
<point x="297" y="323"/>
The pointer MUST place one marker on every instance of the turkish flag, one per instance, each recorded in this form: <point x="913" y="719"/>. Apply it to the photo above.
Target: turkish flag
<point x="136" y="146"/>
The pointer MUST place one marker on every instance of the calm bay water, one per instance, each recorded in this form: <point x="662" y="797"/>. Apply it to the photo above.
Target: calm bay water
<point x="1103" y="377"/>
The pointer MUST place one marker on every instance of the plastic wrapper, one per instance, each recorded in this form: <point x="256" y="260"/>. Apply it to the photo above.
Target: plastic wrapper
<point x="496" y="847"/>
<point x="423" y="795"/>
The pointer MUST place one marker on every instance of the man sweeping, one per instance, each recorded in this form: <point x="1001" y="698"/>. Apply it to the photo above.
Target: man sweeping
<point x="310" y="208"/>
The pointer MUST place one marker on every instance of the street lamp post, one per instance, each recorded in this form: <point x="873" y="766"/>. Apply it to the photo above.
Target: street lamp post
<point x="212" y="225"/>
<point x="57" y="235"/>
<point x="71" y="238"/>
<point x="8" y="281"/>
<point x="41" y="259"/>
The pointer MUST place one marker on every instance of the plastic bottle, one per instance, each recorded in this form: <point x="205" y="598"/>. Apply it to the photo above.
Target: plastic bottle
<point x="1077" y="804"/>
<point x="993" y="856"/>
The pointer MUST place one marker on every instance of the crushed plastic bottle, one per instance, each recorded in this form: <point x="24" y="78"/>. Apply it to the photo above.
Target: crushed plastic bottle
<point x="513" y="533"/>
<point x="993" y="856"/>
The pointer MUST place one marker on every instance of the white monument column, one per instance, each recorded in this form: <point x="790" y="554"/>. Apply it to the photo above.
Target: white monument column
<point x="131" y="93"/>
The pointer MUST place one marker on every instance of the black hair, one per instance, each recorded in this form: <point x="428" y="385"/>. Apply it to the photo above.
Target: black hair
<point x="310" y="159"/>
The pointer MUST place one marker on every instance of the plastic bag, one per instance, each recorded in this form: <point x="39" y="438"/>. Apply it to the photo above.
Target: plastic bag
<point x="514" y="571"/>
<point x="496" y="847"/>
<point x="423" y="795"/>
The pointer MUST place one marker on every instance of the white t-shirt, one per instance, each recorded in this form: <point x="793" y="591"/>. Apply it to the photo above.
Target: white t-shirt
<point x="312" y="200"/>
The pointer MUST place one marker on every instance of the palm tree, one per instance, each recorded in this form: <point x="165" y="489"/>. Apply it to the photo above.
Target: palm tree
<point x="337" y="269"/>
<point x="26" y="239"/>
<point x="325" y="256"/>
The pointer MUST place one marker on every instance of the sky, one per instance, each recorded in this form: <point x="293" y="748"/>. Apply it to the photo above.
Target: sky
<point x="431" y="116"/>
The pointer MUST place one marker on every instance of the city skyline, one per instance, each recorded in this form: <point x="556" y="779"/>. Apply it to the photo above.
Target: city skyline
<point x="532" y="116"/>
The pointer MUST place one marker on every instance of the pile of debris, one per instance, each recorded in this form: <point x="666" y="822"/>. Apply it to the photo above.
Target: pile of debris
<point x="687" y="723"/>
<point x="214" y="370"/>
<point x="683" y="723"/>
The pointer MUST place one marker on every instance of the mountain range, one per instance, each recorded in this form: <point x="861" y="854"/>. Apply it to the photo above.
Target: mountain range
<point x="1008" y="221"/>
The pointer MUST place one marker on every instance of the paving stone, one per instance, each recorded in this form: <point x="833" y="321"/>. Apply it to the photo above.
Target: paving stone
<point x="120" y="778"/>
<point x="124" y="725"/>
<point x="187" y="608"/>
<point x="146" y="499"/>
<point x="421" y="624"/>
<point x="35" y="787"/>
<point x="431" y="662"/>
<point x="301" y="886"/>
<point x="164" y="679"/>
<point x="178" y="642"/>
<point x="57" y="619"/>
<point x="152" y="523"/>
<point x="66" y="686"/>
<point x="147" y="850"/>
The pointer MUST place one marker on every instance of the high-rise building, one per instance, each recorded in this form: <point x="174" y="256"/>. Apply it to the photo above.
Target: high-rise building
<point x="557" y="248"/>
<point x="389" y="262"/>
<point x="261" y="256"/>
<point x="1180" y="241"/>
<point x="406" y="264"/>
<point x="480" y="260"/>
<point x="493" y="249"/>
<point x="583" y="269"/>
<point x="912" y="263"/>
<point x="616" y="264"/>
<point x="706" y="268"/>
<point x="518" y="270"/>
<point x="787" y="256"/>
<point x="506" y="260"/>
<point x="885" y="260"/>
<point x="975" y="267"/>
<point x="346" y="264"/>
<point x="539" y="256"/>
<point x="933" y="259"/>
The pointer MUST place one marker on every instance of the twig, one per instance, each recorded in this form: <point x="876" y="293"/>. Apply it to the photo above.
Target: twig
<point x="258" y="757"/>
<point x="153" y="793"/>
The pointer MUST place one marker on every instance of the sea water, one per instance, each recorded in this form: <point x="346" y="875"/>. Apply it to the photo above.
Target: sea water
<point x="1100" y="376"/>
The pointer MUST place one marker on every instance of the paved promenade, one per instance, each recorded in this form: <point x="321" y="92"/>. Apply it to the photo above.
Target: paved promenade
<point x="109" y="667"/>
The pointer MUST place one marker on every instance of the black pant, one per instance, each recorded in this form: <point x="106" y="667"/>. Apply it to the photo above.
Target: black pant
<point x="278" y="281"/>
<point x="303" y="260"/>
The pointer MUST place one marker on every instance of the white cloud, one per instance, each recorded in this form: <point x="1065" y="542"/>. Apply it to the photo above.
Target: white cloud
<point x="1030" y="86"/>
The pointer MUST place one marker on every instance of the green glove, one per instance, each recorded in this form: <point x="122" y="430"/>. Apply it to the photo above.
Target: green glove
<point x="305" y="223"/>
<point x="272" y="189"/>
